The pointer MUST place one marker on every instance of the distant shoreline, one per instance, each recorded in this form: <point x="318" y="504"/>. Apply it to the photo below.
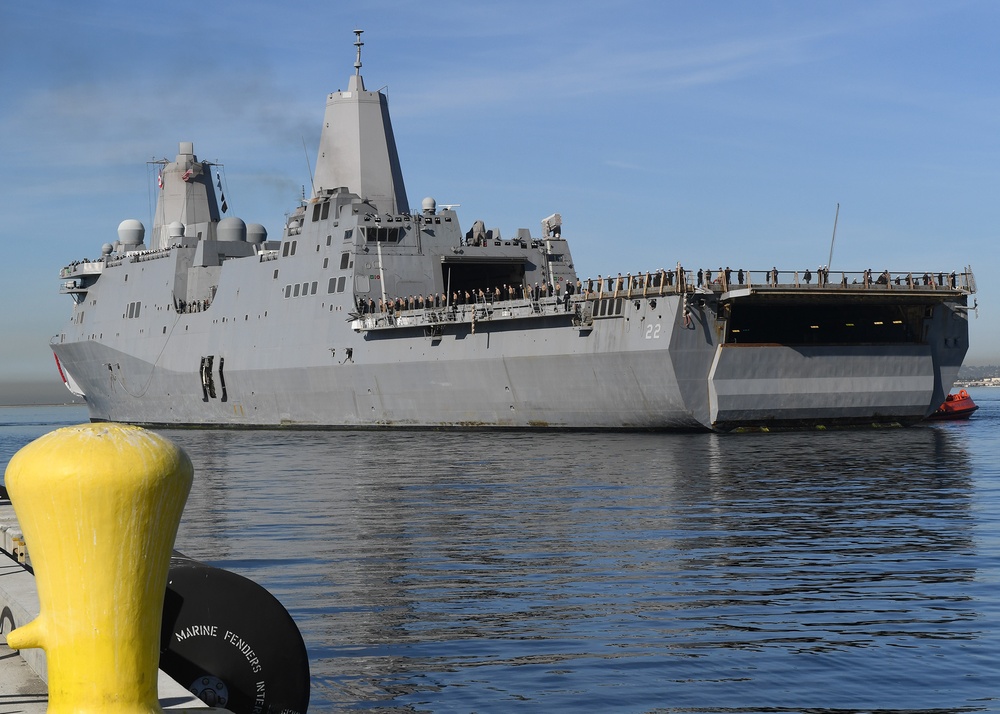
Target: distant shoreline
<point x="37" y="393"/>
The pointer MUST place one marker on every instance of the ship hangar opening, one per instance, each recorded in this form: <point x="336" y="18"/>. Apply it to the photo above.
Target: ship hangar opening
<point x="813" y="323"/>
<point x="465" y="273"/>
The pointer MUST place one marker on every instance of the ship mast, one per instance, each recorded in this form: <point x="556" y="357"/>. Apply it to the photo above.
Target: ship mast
<point x="359" y="44"/>
<point x="357" y="149"/>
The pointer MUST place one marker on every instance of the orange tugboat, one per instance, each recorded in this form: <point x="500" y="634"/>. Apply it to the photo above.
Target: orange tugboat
<point x="956" y="406"/>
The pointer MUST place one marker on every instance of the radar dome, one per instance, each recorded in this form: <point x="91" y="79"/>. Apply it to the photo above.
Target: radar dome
<point x="106" y="249"/>
<point x="175" y="230"/>
<point x="256" y="233"/>
<point x="429" y="205"/>
<point x="131" y="232"/>
<point x="232" y="229"/>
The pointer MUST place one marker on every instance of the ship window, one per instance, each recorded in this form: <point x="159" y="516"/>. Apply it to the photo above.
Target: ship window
<point x="326" y="263"/>
<point x="131" y="310"/>
<point x="332" y="286"/>
<point x="326" y="210"/>
<point x="284" y="250"/>
<point x="275" y="275"/>
<point x="340" y="283"/>
<point x="316" y="212"/>
<point x="381" y="235"/>
<point x="328" y="239"/>
<point x="137" y="306"/>
<point x="348" y="234"/>
<point x="294" y="243"/>
<point x="313" y="290"/>
<point x="344" y="260"/>
<point x="288" y="291"/>
<point x="296" y="293"/>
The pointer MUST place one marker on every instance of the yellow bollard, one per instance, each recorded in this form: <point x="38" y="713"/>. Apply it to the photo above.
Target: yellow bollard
<point x="99" y="505"/>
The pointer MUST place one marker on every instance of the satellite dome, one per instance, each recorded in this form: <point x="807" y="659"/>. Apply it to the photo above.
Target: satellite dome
<point x="175" y="230"/>
<point x="106" y="249"/>
<point x="429" y="205"/>
<point x="232" y="229"/>
<point x="256" y="233"/>
<point x="131" y="232"/>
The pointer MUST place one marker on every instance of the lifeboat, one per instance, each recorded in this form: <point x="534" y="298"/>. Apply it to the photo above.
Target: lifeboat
<point x="956" y="406"/>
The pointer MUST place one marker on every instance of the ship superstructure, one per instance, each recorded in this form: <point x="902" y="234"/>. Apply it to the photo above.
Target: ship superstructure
<point x="367" y="314"/>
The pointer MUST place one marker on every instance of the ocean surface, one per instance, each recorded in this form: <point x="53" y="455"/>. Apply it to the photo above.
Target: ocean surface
<point x="828" y="571"/>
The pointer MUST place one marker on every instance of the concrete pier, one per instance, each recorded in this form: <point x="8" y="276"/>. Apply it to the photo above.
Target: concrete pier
<point x="23" y="674"/>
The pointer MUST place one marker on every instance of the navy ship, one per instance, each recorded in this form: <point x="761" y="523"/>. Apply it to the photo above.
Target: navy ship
<point x="367" y="314"/>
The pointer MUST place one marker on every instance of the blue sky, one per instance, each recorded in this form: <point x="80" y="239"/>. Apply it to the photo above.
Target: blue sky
<point x="713" y="133"/>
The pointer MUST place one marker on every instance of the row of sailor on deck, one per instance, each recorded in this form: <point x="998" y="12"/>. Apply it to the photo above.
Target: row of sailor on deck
<point x="724" y="278"/>
<point x="184" y="306"/>
<point x="496" y="294"/>
<point x="909" y="279"/>
<point x="562" y="292"/>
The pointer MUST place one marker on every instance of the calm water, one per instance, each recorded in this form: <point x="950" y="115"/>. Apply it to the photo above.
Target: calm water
<point x="822" y="571"/>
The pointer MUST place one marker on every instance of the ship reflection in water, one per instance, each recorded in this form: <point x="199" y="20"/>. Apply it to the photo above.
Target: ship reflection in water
<point x="489" y="571"/>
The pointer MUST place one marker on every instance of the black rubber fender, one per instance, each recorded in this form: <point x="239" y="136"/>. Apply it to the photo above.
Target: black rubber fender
<point x="230" y="642"/>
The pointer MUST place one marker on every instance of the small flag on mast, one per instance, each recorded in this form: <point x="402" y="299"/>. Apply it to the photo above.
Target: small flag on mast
<point x="222" y="194"/>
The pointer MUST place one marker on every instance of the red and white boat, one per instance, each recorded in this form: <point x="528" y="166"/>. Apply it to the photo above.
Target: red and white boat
<point x="956" y="406"/>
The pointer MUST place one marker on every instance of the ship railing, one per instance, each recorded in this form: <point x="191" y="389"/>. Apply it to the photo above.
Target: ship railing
<point x="659" y="284"/>
<point x="471" y="313"/>
<point x="144" y="255"/>
<point x="83" y="267"/>
<point x="886" y="280"/>
<point x="680" y="280"/>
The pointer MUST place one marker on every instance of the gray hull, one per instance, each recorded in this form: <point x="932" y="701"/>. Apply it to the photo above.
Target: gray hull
<point x="538" y="372"/>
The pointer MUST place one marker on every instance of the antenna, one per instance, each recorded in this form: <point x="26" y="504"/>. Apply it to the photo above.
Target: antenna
<point x="835" y="217"/>
<point x="359" y="44"/>
<point x="308" y="166"/>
